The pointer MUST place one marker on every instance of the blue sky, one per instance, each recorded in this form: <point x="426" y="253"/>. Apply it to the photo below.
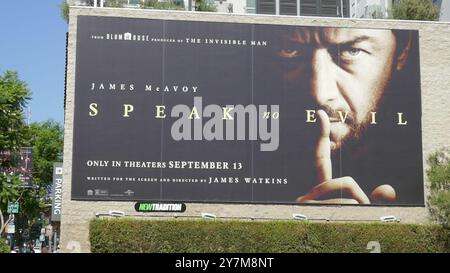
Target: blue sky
<point x="32" y="42"/>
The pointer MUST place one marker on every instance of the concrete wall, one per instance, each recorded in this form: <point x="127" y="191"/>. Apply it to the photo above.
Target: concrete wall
<point x="435" y="80"/>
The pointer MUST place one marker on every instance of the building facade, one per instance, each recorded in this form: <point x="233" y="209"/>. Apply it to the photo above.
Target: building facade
<point x="370" y="8"/>
<point x="444" y="7"/>
<point x="378" y="9"/>
<point x="325" y="8"/>
<point x="375" y="9"/>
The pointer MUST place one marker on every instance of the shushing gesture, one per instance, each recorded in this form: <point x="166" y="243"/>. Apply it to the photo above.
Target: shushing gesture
<point x="346" y="185"/>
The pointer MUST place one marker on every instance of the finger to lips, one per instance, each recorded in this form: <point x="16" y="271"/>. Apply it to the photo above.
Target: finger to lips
<point x="323" y="149"/>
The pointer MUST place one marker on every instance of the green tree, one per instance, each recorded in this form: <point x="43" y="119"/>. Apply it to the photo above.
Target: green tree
<point x="46" y="138"/>
<point x="14" y="96"/>
<point x="439" y="177"/>
<point x="146" y="4"/>
<point x="9" y="192"/>
<point x="205" y="5"/>
<point x="3" y="247"/>
<point x="422" y="10"/>
<point x="165" y="5"/>
<point x="114" y="3"/>
<point x="64" y="9"/>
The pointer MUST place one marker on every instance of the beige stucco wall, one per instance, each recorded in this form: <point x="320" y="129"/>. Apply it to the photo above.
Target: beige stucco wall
<point x="435" y="80"/>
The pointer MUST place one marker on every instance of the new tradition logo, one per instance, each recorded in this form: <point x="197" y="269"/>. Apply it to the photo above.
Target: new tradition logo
<point x="159" y="207"/>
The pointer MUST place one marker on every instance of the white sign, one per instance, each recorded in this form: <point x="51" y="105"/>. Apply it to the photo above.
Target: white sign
<point x="57" y="192"/>
<point x="11" y="228"/>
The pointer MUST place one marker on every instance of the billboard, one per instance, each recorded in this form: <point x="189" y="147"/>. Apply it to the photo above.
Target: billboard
<point x="169" y="110"/>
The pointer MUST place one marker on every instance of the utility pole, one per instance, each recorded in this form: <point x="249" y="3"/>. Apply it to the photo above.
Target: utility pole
<point x="55" y="246"/>
<point x="12" y="220"/>
<point x="2" y="222"/>
<point x="42" y="237"/>
<point x="49" y="234"/>
<point x="50" y="245"/>
<point x="28" y="116"/>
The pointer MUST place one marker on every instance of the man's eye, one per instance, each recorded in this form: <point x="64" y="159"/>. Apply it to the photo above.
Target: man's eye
<point x="351" y="52"/>
<point x="285" y="53"/>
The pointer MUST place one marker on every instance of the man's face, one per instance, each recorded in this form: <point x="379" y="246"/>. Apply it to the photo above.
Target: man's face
<point x="343" y="69"/>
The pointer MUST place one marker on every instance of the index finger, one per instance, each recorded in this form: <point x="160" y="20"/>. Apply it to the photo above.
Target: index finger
<point x="323" y="149"/>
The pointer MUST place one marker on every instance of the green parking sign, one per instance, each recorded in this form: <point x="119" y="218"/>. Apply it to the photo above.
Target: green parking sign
<point x="13" y="207"/>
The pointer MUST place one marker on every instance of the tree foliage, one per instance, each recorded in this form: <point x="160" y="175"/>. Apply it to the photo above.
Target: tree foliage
<point x="9" y="189"/>
<point x="64" y="9"/>
<point x="423" y="10"/>
<point x="205" y="5"/>
<point x="166" y="5"/>
<point x="200" y="5"/>
<point x="14" y="95"/>
<point x="439" y="177"/>
<point x="114" y="3"/>
<point x="4" y="248"/>
<point x="46" y="138"/>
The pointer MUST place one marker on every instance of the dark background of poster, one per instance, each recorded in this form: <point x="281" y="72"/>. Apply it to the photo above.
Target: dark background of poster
<point x="225" y="75"/>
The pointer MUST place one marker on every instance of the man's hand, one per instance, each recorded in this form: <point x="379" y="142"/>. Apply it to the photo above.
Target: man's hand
<point x="326" y="183"/>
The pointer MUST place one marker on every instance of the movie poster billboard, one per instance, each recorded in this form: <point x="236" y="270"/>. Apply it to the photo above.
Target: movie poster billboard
<point x="169" y="110"/>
